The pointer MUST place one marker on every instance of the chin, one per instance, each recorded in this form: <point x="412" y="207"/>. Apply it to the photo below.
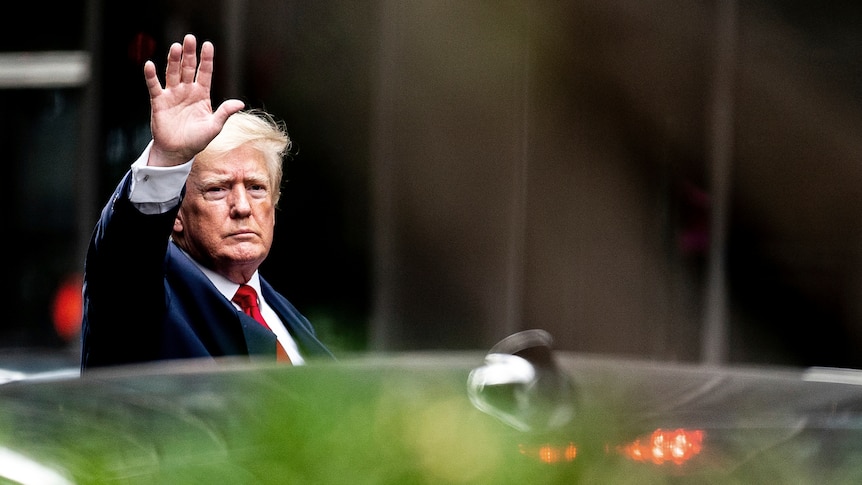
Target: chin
<point x="246" y="255"/>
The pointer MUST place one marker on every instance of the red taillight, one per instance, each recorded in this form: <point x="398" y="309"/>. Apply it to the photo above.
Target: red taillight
<point x="662" y="446"/>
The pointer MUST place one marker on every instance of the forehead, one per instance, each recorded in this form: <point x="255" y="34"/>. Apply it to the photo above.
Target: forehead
<point x="241" y="162"/>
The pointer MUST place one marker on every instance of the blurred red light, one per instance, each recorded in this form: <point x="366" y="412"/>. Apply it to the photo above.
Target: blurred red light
<point x="662" y="446"/>
<point x="67" y="308"/>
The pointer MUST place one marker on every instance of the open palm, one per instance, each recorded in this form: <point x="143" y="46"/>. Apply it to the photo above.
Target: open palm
<point x="181" y="116"/>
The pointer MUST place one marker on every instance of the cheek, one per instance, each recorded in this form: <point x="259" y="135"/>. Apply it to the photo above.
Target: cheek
<point x="269" y="226"/>
<point x="199" y="218"/>
<point x="266" y="214"/>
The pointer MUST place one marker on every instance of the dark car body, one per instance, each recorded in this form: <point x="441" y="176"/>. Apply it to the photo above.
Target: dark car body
<point x="420" y="418"/>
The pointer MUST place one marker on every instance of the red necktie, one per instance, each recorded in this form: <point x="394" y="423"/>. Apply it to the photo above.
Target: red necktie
<point x="246" y="298"/>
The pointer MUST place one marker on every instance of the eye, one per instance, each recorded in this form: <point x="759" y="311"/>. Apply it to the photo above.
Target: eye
<point x="214" y="192"/>
<point x="257" y="190"/>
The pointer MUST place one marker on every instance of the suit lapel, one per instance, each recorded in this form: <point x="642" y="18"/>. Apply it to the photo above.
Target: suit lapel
<point x="259" y="340"/>
<point x="298" y="326"/>
<point x="197" y="303"/>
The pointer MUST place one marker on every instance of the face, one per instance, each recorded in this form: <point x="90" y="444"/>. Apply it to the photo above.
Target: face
<point x="227" y="218"/>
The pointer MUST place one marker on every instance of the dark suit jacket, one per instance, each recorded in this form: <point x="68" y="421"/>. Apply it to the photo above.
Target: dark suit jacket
<point x="145" y="300"/>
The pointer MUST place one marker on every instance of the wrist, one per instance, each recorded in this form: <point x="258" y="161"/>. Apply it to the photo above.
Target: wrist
<point x="160" y="157"/>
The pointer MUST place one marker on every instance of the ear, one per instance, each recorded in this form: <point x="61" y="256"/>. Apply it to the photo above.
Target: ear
<point x="178" y="223"/>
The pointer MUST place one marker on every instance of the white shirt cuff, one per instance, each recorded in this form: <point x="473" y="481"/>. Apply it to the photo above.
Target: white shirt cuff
<point x="155" y="190"/>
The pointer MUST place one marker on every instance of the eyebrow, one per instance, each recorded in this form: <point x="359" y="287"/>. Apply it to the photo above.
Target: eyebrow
<point x="218" y="179"/>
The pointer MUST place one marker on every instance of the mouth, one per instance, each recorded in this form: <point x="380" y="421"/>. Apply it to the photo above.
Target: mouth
<point x="243" y="234"/>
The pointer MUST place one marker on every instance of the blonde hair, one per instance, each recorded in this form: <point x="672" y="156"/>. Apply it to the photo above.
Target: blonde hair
<point x="262" y="132"/>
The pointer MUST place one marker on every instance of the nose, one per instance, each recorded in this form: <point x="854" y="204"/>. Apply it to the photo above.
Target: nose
<point x="240" y="205"/>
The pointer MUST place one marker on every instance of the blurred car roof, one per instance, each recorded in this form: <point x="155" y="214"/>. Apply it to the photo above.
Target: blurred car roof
<point x="409" y="418"/>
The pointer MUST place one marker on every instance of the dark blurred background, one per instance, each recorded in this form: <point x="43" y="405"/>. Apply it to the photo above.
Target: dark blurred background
<point x="677" y="181"/>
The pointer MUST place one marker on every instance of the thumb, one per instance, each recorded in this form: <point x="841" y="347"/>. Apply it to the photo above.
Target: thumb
<point x="227" y="108"/>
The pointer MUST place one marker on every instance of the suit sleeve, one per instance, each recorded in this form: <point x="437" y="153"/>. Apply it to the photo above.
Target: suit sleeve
<point x="124" y="292"/>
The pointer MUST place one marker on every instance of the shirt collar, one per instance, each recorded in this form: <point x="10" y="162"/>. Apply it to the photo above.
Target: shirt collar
<point x="225" y="286"/>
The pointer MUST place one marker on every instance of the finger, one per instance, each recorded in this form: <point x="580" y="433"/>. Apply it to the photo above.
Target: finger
<point x="190" y="60"/>
<point x="152" y="79"/>
<point x="205" y="69"/>
<point x="172" y="71"/>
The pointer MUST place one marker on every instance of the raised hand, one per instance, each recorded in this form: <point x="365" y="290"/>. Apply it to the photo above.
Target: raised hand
<point x="181" y="116"/>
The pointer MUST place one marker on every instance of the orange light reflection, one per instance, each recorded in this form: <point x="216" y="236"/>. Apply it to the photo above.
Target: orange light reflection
<point x="662" y="446"/>
<point x="549" y="453"/>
